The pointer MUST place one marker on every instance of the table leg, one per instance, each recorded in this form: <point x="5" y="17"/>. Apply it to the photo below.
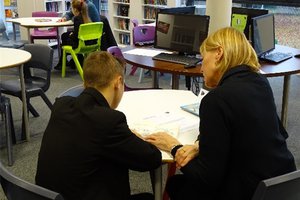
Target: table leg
<point x="58" y="42"/>
<point x="175" y="81"/>
<point x="14" y="32"/>
<point x="285" y="99"/>
<point x="158" y="183"/>
<point x="25" y="112"/>
<point x="155" y="80"/>
<point x="28" y="35"/>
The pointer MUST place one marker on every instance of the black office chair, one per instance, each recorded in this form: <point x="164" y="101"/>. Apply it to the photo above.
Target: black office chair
<point x="37" y="73"/>
<point x="17" y="189"/>
<point x="6" y="113"/>
<point x="285" y="187"/>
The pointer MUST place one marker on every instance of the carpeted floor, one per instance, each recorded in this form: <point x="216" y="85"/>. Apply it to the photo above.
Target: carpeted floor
<point x="25" y="154"/>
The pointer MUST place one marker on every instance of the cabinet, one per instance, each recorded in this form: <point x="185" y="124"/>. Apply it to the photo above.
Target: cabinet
<point x="120" y="13"/>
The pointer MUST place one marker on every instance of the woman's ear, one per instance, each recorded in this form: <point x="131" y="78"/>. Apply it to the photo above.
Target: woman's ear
<point x="219" y="53"/>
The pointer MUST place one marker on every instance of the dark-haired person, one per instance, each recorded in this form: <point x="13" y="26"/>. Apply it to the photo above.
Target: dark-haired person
<point x="81" y="16"/>
<point x="241" y="140"/>
<point x="87" y="148"/>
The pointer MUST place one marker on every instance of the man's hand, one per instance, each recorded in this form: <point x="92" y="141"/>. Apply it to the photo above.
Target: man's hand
<point x="162" y="140"/>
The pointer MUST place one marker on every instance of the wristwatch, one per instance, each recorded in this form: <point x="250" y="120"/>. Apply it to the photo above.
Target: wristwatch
<point x="175" y="148"/>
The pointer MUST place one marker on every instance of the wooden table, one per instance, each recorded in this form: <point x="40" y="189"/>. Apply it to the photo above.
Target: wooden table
<point x="285" y="69"/>
<point x="15" y="58"/>
<point x="156" y="102"/>
<point x="174" y="69"/>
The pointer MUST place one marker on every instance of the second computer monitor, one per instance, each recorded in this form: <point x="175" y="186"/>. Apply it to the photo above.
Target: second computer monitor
<point x="183" y="33"/>
<point x="263" y="34"/>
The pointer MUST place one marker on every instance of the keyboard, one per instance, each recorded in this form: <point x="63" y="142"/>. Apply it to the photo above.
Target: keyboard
<point x="276" y="57"/>
<point x="175" y="58"/>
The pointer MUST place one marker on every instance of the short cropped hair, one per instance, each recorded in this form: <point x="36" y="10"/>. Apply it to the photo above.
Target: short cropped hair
<point x="100" y="68"/>
<point x="236" y="49"/>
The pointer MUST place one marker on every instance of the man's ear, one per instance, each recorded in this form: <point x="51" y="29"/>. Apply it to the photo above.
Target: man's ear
<point x="118" y="82"/>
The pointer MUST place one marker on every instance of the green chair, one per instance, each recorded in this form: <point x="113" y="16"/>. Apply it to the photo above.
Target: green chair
<point x="89" y="37"/>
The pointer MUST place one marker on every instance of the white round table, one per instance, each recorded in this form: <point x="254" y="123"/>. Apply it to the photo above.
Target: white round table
<point x="15" y="58"/>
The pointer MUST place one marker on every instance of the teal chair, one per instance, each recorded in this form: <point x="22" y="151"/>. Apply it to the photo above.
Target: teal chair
<point x="89" y="37"/>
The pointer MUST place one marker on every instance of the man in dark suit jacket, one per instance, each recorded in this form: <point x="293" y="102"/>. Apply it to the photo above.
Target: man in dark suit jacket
<point x="87" y="148"/>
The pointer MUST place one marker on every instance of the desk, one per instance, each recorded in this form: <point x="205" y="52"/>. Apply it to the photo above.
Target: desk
<point x="146" y="62"/>
<point x="142" y="103"/>
<point x="31" y="22"/>
<point x="285" y="69"/>
<point x="15" y="58"/>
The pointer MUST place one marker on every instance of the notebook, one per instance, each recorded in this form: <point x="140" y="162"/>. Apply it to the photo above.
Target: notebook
<point x="194" y="107"/>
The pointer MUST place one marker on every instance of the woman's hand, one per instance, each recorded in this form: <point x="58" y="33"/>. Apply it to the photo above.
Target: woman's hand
<point x="162" y="140"/>
<point x="185" y="154"/>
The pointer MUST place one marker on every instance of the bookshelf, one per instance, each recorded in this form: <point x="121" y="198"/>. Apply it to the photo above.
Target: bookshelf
<point x="104" y="7"/>
<point x="10" y="10"/>
<point x="121" y="12"/>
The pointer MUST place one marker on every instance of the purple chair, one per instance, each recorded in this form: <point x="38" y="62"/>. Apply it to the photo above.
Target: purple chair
<point x="116" y="52"/>
<point x="142" y="34"/>
<point x="51" y="33"/>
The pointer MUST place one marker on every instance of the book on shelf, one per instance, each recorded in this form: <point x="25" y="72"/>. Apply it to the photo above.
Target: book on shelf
<point x="52" y="6"/>
<point x="124" y="38"/>
<point x="156" y="2"/>
<point x="150" y="12"/>
<point x="124" y="1"/>
<point x="123" y="10"/>
<point x="123" y="24"/>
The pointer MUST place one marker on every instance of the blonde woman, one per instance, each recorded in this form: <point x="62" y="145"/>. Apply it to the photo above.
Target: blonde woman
<point x="241" y="140"/>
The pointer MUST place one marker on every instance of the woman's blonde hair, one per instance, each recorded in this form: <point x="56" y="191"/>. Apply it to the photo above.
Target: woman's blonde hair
<point x="100" y="68"/>
<point x="236" y="49"/>
<point x="81" y="6"/>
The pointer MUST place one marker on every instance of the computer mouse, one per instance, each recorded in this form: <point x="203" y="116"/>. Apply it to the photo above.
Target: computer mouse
<point x="297" y="55"/>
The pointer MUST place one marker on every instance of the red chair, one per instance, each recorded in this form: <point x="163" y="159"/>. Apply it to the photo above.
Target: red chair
<point x="51" y="33"/>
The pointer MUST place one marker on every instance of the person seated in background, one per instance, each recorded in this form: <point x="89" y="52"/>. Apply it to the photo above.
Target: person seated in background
<point x="92" y="11"/>
<point x="241" y="140"/>
<point x="79" y="9"/>
<point x="88" y="148"/>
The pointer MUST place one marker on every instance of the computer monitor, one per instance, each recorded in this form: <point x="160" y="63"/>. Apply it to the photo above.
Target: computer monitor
<point x="241" y="18"/>
<point x="263" y="34"/>
<point x="182" y="10"/>
<point x="174" y="32"/>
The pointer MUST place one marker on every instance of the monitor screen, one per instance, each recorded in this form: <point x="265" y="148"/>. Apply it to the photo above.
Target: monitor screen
<point x="182" y="10"/>
<point x="263" y="34"/>
<point x="174" y="32"/>
<point x="241" y="18"/>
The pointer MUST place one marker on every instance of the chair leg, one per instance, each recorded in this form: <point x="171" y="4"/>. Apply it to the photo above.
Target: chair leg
<point x="8" y="133"/>
<point x="141" y="75"/>
<point x="133" y="69"/>
<point x="77" y="63"/>
<point x="46" y="100"/>
<point x="64" y="62"/>
<point x="32" y="110"/>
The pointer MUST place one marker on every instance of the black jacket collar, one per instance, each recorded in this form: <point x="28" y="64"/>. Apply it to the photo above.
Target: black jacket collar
<point x="98" y="97"/>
